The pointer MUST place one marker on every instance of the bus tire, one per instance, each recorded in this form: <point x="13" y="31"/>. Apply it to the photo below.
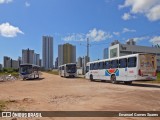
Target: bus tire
<point x="113" y="79"/>
<point x="127" y="82"/>
<point x="91" y="77"/>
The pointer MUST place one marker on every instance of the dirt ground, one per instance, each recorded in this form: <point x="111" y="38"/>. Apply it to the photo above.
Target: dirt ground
<point x="53" y="93"/>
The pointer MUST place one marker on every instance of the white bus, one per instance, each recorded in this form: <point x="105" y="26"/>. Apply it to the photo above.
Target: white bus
<point x="68" y="70"/>
<point x="29" y="71"/>
<point x="126" y="68"/>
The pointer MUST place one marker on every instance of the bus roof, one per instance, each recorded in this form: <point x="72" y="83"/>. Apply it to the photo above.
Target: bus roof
<point x="33" y="65"/>
<point x="68" y="64"/>
<point x="132" y="55"/>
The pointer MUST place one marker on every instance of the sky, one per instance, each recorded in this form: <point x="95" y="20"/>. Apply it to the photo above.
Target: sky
<point x="24" y="22"/>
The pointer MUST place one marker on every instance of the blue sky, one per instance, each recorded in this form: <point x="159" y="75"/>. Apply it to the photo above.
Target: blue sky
<point x="24" y="22"/>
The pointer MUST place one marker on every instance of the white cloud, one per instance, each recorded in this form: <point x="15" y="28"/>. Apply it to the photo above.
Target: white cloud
<point x="93" y="35"/>
<point x="27" y="4"/>
<point x="116" y="33"/>
<point x="75" y="37"/>
<point x="150" y="8"/>
<point x="5" y="1"/>
<point x="141" y="38"/>
<point x="137" y="39"/>
<point x="155" y="40"/>
<point x="127" y="16"/>
<point x="128" y="30"/>
<point x="98" y="35"/>
<point x="7" y="30"/>
<point x="154" y="13"/>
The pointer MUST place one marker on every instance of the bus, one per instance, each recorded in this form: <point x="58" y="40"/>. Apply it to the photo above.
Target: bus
<point x="68" y="70"/>
<point x="29" y="71"/>
<point x="123" y="69"/>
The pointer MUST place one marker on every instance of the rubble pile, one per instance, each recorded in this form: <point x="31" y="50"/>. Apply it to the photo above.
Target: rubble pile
<point x="7" y="78"/>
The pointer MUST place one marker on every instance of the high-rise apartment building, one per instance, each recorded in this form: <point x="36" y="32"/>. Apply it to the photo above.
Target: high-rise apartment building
<point x="6" y="62"/>
<point x="40" y="62"/>
<point x="27" y="56"/>
<point x="14" y="64"/>
<point x="36" y="59"/>
<point x="66" y="54"/>
<point x="19" y="60"/>
<point x="60" y="55"/>
<point x="47" y="52"/>
<point x="79" y="62"/>
<point x="10" y="63"/>
<point x="1" y="67"/>
<point x="56" y="63"/>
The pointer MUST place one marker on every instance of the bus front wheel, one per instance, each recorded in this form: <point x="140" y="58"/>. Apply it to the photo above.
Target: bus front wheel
<point x="113" y="79"/>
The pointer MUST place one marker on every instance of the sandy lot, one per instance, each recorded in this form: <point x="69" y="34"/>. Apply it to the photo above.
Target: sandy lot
<point x="53" y="93"/>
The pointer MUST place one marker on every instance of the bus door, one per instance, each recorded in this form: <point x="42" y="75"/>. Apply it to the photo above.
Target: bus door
<point x="87" y="72"/>
<point x="132" y="68"/>
<point x="123" y="69"/>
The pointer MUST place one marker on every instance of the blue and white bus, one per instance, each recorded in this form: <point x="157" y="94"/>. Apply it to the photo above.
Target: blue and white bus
<point x="126" y="68"/>
<point x="29" y="71"/>
<point x="68" y="70"/>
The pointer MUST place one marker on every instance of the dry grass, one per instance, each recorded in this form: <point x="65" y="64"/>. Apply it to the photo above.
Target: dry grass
<point x="3" y="104"/>
<point x="55" y="72"/>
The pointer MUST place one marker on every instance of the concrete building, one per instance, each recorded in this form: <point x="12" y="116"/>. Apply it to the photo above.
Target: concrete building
<point x="27" y="56"/>
<point x="105" y="53"/>
<point x="130" y="47"/>
<point x="47" y="52"/>
<point x="60" y="55"/>
<point x="66" y="54"/>
<point x="36" y="59"/>
<point x="56" y="63"/>
<point x="40" y="62"/>
<point x="14" y="64"/>
<point x="10" y="63"/>
<point x="1" y="67"/>
<point x="19" y="60"/>
<point x="6" y="62"/>
<point x="79" y="62"/>
<point x="86" y="59"/>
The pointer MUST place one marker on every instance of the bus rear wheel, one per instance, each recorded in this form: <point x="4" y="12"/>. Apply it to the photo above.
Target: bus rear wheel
<point x="113" y="79"/>
<point x="127" y="82"/>
<point x="91" y="77"/>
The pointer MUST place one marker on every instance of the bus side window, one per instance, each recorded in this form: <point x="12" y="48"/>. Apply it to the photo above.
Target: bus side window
<point x="114" y="64"/>
<point x="107" y="65"/>
<point x="123" y="63"/>
<point x="132" y="62"/>
<point x="95" y="66"/>
<point x="91" y="66"/>
<point x="101" y="66"/>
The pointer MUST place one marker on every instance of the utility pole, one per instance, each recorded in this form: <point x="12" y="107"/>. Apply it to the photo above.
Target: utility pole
<point x="88" y="45"/>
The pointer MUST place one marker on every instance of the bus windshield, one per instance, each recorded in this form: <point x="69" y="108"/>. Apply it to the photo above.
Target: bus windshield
<point x="25" y="69"/>
<point x="71" y="68"/>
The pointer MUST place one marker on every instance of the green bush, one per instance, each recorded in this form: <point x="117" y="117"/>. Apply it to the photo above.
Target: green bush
<point x="10" y="70"/>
